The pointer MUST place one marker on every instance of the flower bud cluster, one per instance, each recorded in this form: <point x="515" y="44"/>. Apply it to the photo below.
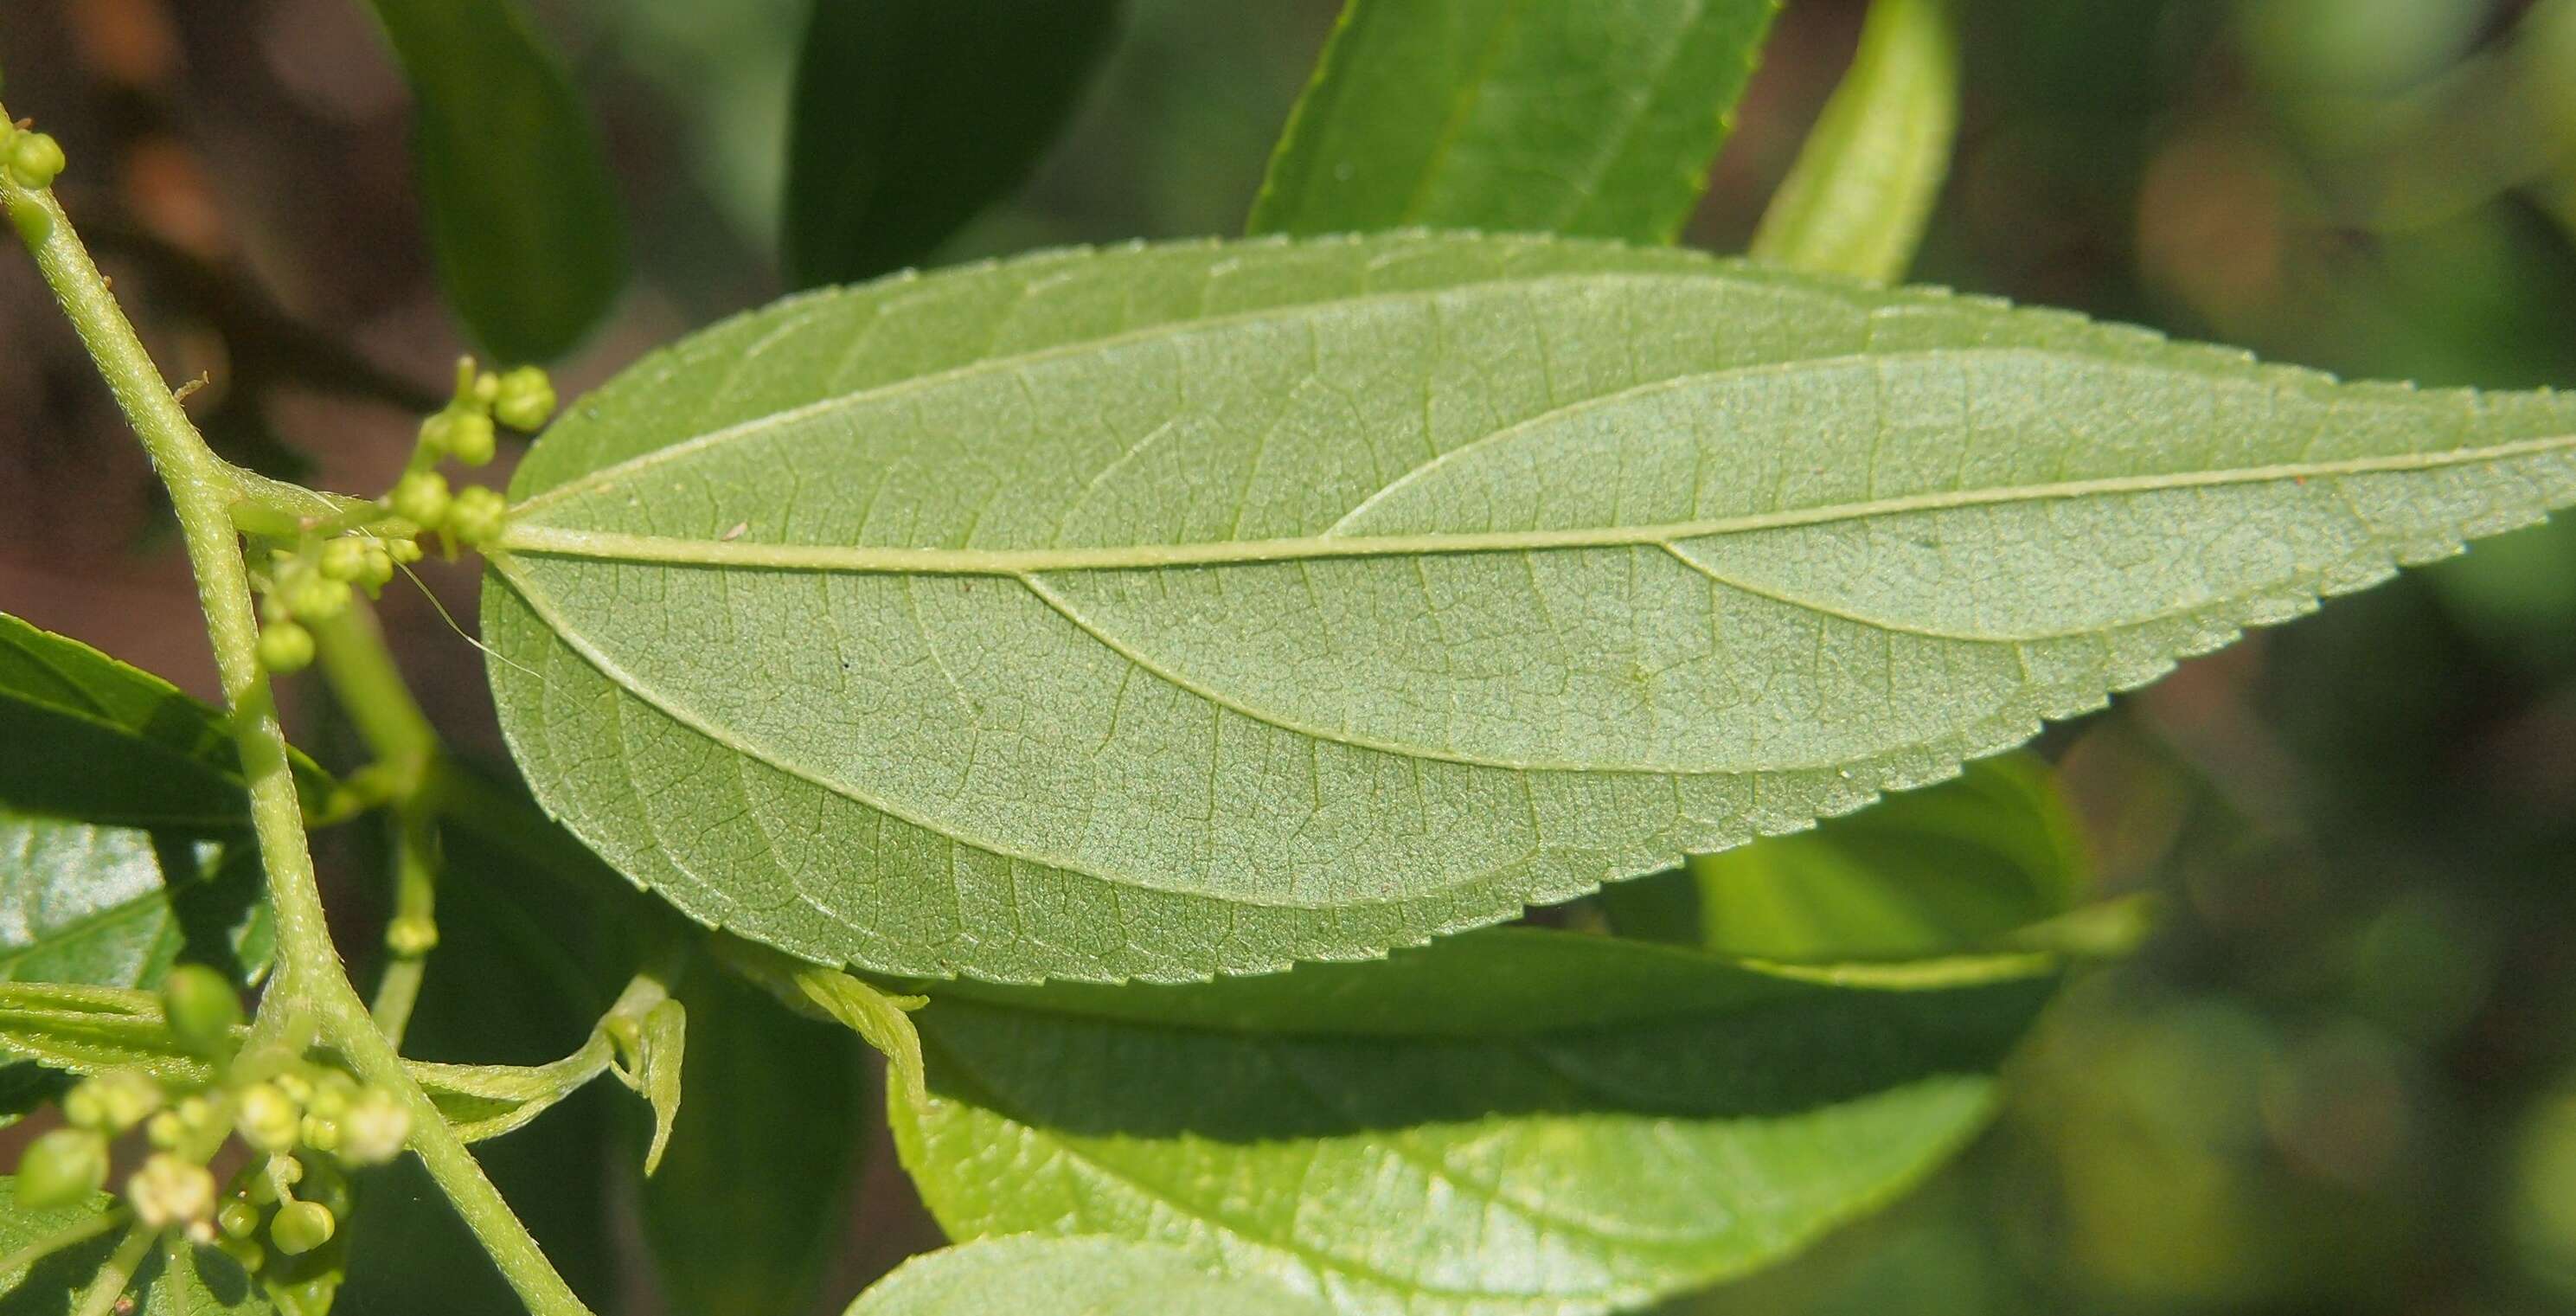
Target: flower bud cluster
<point x="307" y="1124"/>
<point x="33" y="159"/>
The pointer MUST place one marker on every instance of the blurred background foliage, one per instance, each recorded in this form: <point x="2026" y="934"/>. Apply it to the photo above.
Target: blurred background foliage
<point x="2341" y="1075"/>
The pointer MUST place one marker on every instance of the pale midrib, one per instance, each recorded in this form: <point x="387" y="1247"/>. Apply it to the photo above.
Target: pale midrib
<point x="553" y="541"/>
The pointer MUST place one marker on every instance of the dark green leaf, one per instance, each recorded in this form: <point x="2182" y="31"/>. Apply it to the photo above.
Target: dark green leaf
<point x="1938" y="871"/>
<point x="1503" y="1121"/>
<point x="1590" y="119"/>
<point x="175" y="1280"/>
<point x="522" y="214"/>
<point x="1187" y="610"/>
<point x="91" y="738"/>
<point x="1071" y="1277"/>
<point x="911" y="116"/>
<point x="116" y="907"/>
<point x="751" y="1195"/>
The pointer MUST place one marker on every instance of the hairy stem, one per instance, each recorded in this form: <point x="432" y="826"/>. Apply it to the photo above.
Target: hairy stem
<point x="204" y="492"/>
<point x="99" y="1299"/>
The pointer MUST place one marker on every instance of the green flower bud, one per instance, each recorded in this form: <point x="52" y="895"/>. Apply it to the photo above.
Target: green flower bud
<point x="202" y="1007"/>
<point x="345" y="558"/>
<point x="268" y="1118"/>
<point x="332" y="1093"/>
<point x="476" y="516"/>
<point x="113" y="1101"/>
<point x="376" y="567"/>
<point x="320" y="1134"/>
<point x="166" y="1130"/>
<point x="470" y="437"/>
<point x="411" y="936"/>
<point x="526" y="399"/>
<point x="484" y="388"/>
<point x="301" y="1227"/>
<point x="406" y="551"/>
<point x="420" y="498"/>
<point x="62" y="1168"/>
<point x="35" y="159"/>
<point x="318" y="598"/>
<point x="375" y="1128"/>
<point x="238" y="1219"/>
<point x="285" y="647"/>
<point x="169" y="1191"/>
<point x="295" y="1085"/>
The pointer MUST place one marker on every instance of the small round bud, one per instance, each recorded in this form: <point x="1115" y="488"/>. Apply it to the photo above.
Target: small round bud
<point x="114" y="1101"/>
<point x="332" y="1093"/>
<point x="295" y="1085"/>
<point x="301" y="1227"/>
<point x="411" y="936"/>
<point x="486" y="386"/>
<point x="166" y="1130"/>
<point x="420" y="498"/>
<point x="318" y="598"/>
<point x="476" y="516"/>
<point x="238" y="1219"/>
<point x="61" y="1168"/>
<point x="285" y="647"/>
<point x="345" y="558"/>
<point x="268" y="1118"/>
<point x="202" y="1007"/>
<point x="170" y="1191"/>
<point x="35" y="159"/>
<point x="273" y="609"/>
<point x="526" y="399"/>
<point x="320" y="1134"/>
<point x="376" y="566"/>
<point x="375" y="1128"/>
<point x="198" y="1114"/>
<point x="470" y="438"/>
<point x="405" y="551"/>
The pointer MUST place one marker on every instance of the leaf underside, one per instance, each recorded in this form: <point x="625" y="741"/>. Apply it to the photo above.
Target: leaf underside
<point x="1504" y="1123"/>
<point x="1172" y="611"/>
<point x="1070" y="1277"/>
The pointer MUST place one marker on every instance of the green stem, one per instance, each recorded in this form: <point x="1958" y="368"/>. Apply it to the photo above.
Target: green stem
<point x="205" y="493"/>
<point x="415" y="906"/>
<point x="100" y="1297"/>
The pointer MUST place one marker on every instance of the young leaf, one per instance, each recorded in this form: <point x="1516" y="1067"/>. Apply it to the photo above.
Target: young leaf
<point x="522" y="215"/>
<point x="1590" y="119"/>
<point x="750" y="1199"/>
<point x="1189" y="610"/>
<point x="88" y="1030"/>
<point x="1071" y="1277"/>
<point x="911" y="116"/>
<point x="882" y="1020"/>
<point x="174" y="1280"/>
<point x="661" y="1050"/>
<point x="1504" y="1121"/>
<point x="1947" y="869"/>
<point x="1863" y="187"/>
<point x="117" y="907"/>
<point x="93" y="739"/>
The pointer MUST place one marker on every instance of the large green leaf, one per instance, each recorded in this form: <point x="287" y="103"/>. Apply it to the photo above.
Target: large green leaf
<point x="1945" y="869"/>
<point x="117" y="907"/>
<point x="1071" y="1277"/>
<point x="1182" y="610"/>
<point x="175" y="1280"/>
<point x="522" y="214"/>
<point x="913" y="115"/>
<point x="90" y="738"/>
<point x="748" y="1202"/>
<point x="1508" y="1121"/>
<point x="1591" y="119"/>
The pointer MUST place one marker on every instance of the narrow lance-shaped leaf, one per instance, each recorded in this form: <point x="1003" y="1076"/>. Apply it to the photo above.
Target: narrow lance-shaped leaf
<point x="1199" y="609"/>
<point x="522" y="214"/>
<point x="1591" y="119"/>
<point x="911" y="116"/>
<point x="1509" y="1121"/>
<point x="1071" y="1277"/>
<point x="747" y="1205"/>
<point x="95" y="740"/>
<point x="1863" y="187"/>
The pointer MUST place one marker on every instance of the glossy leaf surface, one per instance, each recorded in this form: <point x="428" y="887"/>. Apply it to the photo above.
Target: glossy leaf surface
<point x="522" y="214"/>
<point x="1070" y="1277"/>
<point x="1504" y="1121"/>
<point x="911" y="116"/>
<point x="1199" y="609"/>
<point x="1591" y="119"/>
